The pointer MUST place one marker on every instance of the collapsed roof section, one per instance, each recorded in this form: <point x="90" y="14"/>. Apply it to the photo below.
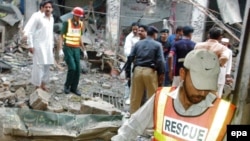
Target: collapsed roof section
<point x="10" y="14"/>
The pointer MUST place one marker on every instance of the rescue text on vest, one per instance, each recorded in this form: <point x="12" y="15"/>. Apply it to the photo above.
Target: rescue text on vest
<point x="184" y="130"/>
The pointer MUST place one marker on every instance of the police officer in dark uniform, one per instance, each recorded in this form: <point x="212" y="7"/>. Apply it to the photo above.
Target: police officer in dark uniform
<point x="149" y="68"/>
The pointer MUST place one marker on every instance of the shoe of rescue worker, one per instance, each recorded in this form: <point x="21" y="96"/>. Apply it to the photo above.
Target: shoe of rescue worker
<point x="76" y="92"/>
<point x="66" y="90"/>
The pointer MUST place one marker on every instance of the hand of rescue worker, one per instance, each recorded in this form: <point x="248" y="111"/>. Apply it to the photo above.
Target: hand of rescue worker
<point x="61" y="54"/>
<point x="160" y="80"/>
<point x="31" y="50"/>
<point x="85" y="55"/>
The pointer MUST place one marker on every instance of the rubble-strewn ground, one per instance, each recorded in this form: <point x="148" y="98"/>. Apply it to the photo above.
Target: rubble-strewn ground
<point x="16" y="91"/>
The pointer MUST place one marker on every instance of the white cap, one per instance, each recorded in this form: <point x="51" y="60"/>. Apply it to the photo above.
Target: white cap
<point x="225" y="40"/>
<point x="204" y="68"/>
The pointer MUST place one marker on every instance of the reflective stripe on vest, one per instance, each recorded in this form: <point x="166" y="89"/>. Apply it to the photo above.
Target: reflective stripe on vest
<point x="170" y="126"/>
<point x="73" y="35"/>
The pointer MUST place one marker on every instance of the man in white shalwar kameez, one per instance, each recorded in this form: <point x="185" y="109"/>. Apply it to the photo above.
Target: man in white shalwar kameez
<point x="39" y="31"/>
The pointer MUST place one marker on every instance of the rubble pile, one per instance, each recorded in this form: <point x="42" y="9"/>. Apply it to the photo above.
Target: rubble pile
<point x="15" y="87"/>
<point x="96" y="114"/>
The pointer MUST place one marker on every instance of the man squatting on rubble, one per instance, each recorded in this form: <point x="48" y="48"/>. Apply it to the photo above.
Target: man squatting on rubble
<point x="71" y="39"/>
<point x="190" y="112"/>
<point x="39" y="33"/>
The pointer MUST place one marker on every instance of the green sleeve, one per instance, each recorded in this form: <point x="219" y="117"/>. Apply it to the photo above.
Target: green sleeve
<point x="64" y="27"/>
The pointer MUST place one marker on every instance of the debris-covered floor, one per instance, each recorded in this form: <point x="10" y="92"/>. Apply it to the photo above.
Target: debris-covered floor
<point x="102" y="95"/>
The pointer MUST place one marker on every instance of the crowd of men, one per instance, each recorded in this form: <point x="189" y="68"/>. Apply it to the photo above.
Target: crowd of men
<point x="175" y="85"/>
<point x="174" y="81"/>
<point x="174" y="48"/>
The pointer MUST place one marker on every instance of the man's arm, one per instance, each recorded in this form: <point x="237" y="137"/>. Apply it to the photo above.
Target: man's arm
<point x="161" y="66"/>
<point x="29" y="30"/>
<point x="130" y="59"/>
<point x="224" y="55"/>
<point x="141" y="120"/>
<point x="171" y="61"/>
<point x="83" y="48"/>
<point x="62" y="33"/>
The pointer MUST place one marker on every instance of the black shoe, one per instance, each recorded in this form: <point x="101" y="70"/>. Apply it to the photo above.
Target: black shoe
<point x="66" y="90"/>
<point x="76" y="92"/>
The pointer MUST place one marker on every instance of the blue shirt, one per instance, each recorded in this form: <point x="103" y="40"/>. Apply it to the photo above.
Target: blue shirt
<point x="181" y="48"/>
<point x="171" y="39"/>
<point x="166" y="47"/>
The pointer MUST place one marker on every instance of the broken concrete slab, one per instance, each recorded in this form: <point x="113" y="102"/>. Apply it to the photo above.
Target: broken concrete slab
<point x="35" y="124"/>
<point x="4" y="65"/>
<point x="98" y="106"/>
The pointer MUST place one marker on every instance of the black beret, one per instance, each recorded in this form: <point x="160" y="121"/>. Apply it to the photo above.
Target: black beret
<point x="187" y="30"/>
<point x="153" y="29"/>
<point x="164" y="31"/>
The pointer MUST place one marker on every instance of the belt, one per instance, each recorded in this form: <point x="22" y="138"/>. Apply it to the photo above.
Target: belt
<point x="145" y="66"/>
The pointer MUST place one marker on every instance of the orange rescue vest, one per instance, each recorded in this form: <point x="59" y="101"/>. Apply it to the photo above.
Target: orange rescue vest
<point x="208" y="126"/>
<point x="73" y="35"/>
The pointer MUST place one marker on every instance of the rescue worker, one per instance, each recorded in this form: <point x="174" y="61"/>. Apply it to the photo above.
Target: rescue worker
<point x="39" y="33"/>
<point x="190" y="112"/>
<point x="71" y="34"/>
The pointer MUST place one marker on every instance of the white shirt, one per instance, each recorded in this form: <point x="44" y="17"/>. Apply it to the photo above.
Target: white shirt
<point x="226" y="69"/>
<point x="142" y="119"/>
<point x="39" y="31"/>
<point x="130" y="41"/>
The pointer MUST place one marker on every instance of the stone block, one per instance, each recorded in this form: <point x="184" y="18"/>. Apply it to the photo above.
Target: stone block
<point x="106" y="86"/>
<point x="39" y="99"/>
<point x="20" y="93"/>
<point x="74" y="107"/>
<point x="98" y="106"/>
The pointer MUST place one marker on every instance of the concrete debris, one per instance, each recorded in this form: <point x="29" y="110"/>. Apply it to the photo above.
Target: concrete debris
<point x="6" y="95"/>
<point x="39" y="99"/>
<point x="106" y="86"/>
<point x="98" y="106"/>
<point x="16" y="90"/>
<point x="20" y="94"/>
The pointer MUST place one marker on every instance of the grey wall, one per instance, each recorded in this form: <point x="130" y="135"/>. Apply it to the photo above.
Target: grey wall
<point x="241" y="96"/>
<point x="31" y="6"/>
